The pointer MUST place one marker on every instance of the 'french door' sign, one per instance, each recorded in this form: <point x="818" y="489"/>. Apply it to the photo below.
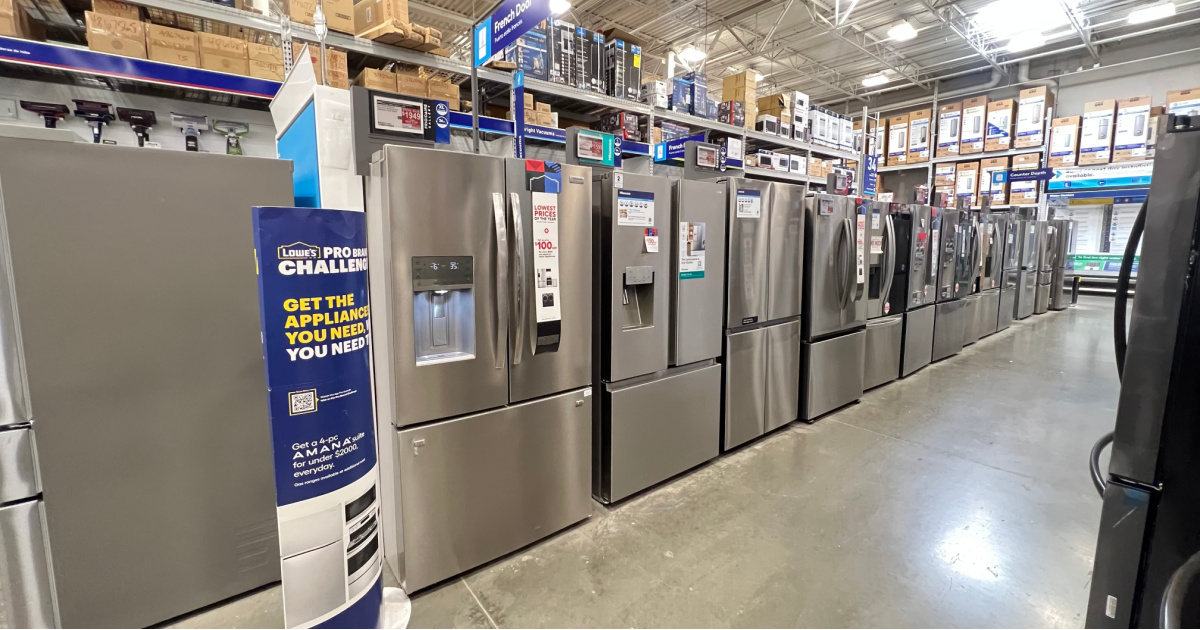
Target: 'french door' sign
<point x="510" y="20"/>
<point x="545" y="182"/>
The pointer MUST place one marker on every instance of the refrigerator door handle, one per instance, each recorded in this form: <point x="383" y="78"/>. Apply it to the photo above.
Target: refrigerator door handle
<point x="848" y="265"/>
<point x="501" y="278"/>
<point x="519" y="278"/>
<point x="889" y="265"/>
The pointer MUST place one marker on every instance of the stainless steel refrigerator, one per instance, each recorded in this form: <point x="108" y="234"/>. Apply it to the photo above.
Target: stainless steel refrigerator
<point x="1047" y="253"/>
<point x="835" y="304"/>
<point x="916" y="287"/>
<point x="991" y="272"/>
<point x="1010" y="286"/>
<point x="765" y="260"/>
<point x="954" y="273"/>
<point x="1063" y="274"/>
<point x="482" y="347"/>
<point x="134" y="395"/>
<point x="975" y="220"/>
<point x="658" y="329"/>
<point x="888" y="234"/>
<point x="1027" y="268"/>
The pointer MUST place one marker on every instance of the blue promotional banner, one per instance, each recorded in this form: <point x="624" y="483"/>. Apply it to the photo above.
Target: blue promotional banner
<point x="510" y="21"/>
<point x="1022" y="175"/>
<point x="312" y="283"/>
<point x="519" y="114"/>
<point x="673" y="150"/>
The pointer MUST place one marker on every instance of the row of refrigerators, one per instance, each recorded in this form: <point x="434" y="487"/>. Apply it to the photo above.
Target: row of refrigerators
<point x="665" y="320"/>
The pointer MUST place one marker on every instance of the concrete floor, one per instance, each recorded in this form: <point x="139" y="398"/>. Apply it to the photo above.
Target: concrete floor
<point x="957" y="497"/>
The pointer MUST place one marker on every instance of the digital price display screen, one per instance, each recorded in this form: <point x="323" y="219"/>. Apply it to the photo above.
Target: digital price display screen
<point x="706" y="157"/>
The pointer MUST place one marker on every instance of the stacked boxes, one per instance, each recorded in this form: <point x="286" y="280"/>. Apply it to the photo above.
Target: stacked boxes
<point x="115" y="35"/>
<point x="339" y="14"/>
<point x="944" y="178"/>
<point x="987" y="167"/>
<point x="622" y="124"/>
<point x="414" y="85"/>
<point x="1024" y="193"/>
<point x="339" y="74"/>
<point x="373" y="79"/>
<point x="224" y="54"/>
<point x="266" y="62"/>
<point x="1096" y="138"/>
<point x="1132" y="129"/>
<point x="799" y="115"/>
<point x="115" y="9"/>
<point x="919" y="136"/>
<point x="16" y="22"/>
<point x="1064" y="141"/>
<point x="974" y="125"/>
<point x="897" y="144"/>
<point x="655" y="94"/>
<point x="999" y="125"/>
<point x="623" y="69"/>
<point x="732" y="113"/>
<point x="449" y="92"/>
<point x="1032" y="106"/>
<point x="383" y="20"/>
<point x="172" y="45"/>
<point x="949" y="127"/>
<point x="741" y="88"/>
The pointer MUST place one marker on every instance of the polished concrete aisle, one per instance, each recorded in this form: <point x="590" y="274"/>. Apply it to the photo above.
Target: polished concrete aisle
<point x="957" y="497"/>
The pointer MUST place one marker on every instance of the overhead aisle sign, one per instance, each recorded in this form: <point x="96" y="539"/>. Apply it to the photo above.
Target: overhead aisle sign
<point x="510" y="20"/>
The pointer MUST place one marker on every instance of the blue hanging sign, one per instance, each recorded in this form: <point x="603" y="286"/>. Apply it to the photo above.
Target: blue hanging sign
<point x="312" y="287"/>
<point x="512" y="19"/>
<point x="870" y="174"/>
<point x="1022" y="175"/>
<point x="519" y="114"/>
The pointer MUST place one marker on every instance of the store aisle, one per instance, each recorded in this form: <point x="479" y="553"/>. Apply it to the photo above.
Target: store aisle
<point x="957" y="497"/>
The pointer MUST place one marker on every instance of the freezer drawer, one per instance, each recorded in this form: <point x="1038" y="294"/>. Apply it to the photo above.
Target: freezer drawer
<point x="475" y="488"/>
<point x="949" y="329"/>
<point x="970" y="332"/>
<point x="783" y="374"/>
<point x="1028" y="292"/>
<point x="25" y="591"/>
<point x="882" y="359"/>
<point x="659" y="428"/>
<point x="918" y="340"/>
<point x="745" y="386"/>
<point x="18" y="468"/>
<point x="833" y="374"/>
<point x="1008" y="300"/>
<point x="986" y="313"/>
<point x="1041" y="301"/>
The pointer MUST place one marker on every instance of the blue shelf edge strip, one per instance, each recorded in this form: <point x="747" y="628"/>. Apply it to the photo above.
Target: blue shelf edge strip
<point x="498" y="126"/>
<point x="88" y="61"/>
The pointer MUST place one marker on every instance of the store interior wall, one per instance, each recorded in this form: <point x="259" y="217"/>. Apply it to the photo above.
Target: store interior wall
<point x="260" y="142"/>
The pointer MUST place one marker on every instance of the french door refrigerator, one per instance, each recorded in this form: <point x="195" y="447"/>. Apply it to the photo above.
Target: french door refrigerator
<point x="1027" y="269"/>
<point x="991" y="272"/>
<point x="915" y="288"/>
<point x="1010" y="284"/>
<point x="889" y="231"/>
<point x="765" y="260"/>
<point x="1047" y="253"/>
<point x="1063" y="274"/>
<point x="974" y="226"/>
<point x="835" y="304"/>
<point x="482" y="349"/>
<point x="949" y="321"/>
<point x="657" y="329"/>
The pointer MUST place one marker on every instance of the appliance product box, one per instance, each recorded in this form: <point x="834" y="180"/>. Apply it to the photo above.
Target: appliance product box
<point x="1064" y="141"/>
<point x="413" y="85"/>
<point x="966" y="181"/>
<point x="655" y="94"/>
<point x="919" y="135"/>
<point x="999" y="125"/>
<point x="339" y="75"/>
<point x="799" y="164"/>
<point x="949" y="126"/>
<point x="182" y="48"/>
<point x="999" y="192"/>
<point x="764" y="159"/>
<point x="386" y="15"/>
<point x="897" y="146"/>
<point x="782" y="162"/>
<point x="1184" y="102"/>
<point x="266" y="62"/>
<point x="766" y="124"/>
<point x="799" y="115"/>
<point x="1156" y="113"/>
<point x="943" y="174"/>
<point x="1024" y="193"/>
<point x="1132" y="129"/>
<point x="114" y="35"/>
<point x="622" y="69"/>
<point x="732" y="113"/>
<point x="1096" y="137"/>
<point x="1032" y="105"/>
<point x="116" y="9"/>
<point x="531" y="52"/>
<point x="680" y="96"/>
<point x="697" y="87"/>
<point x="974" y="125"/>
<point x="740" y="80"/>
<point x="785" y="130"/>
<point x="583" y="59"/>
<point x="562" y="52"/>
<point x="847" y="132"/>
<point x="621" y="124"/>
<point x="227" y="54"/>
<point x="373" y="79"/>
<point x="596" y="68"/>
<point x="449" y="92"/>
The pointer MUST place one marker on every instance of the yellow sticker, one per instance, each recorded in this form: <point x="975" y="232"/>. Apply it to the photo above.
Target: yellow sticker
<point x="637" y="61"/>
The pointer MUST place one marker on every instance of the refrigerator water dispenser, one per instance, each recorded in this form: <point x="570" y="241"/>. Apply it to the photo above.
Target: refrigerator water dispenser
<point x="638" y="297"/>
<point x="443" y="309"/>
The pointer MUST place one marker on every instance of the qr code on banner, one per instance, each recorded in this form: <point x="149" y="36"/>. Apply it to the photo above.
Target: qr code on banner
<point x="302" y="402"/>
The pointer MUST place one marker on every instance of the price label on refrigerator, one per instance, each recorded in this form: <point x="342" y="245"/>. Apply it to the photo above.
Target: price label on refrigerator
<point x="691" y="250"/>
<point x="547" y="298"/>
<point x="862" y="230"/>
<point x="749" y="204"/>
<point x="635" y="208"/>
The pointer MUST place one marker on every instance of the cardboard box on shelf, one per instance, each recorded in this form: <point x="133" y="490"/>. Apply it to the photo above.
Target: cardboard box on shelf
<point x="799" y="118"/>
<point x="449" y="92"/>
<point x="1032" y="105"/>
<point x="544" y="119"/>
<point x="747" y="79"/>
<point x="1096" y="137"/>
<point x="966" y="181"/>
<point x="339" y="74"/>
<point x="414" y="85"/>
<point x="266" y="62"/>
<point x="224" y="54"/>
<point x="15" y="21"/>
<point x="116" y="9"/>
<point x="949" y="128"/>
<point x="897" y="145"/>
<point x="1064" y="141"/>
<point x="114" y="35"/>
<point x="541" y="107"/>
<point x="974" y="125"/>
<point x="431" y="39"/>
<point x="301" y="10"/>
<point x="919" y="135"/>
<point x="987" y="167"/>
<point x="732" y="113"/>
<point x="999" y="125"/>
<point x="373" y="79"/>
<point x="339" y="15"/>
<point x="741" y="94"/>
<point x="1024" y="193"/>
<point x="172" y="45"/>
<point x="1132" y="129"/>
<point x="1184" y="102"/>
<point x="372" y="14"/>
<point x="774" y="101"/>
<point x="943" y="174"/>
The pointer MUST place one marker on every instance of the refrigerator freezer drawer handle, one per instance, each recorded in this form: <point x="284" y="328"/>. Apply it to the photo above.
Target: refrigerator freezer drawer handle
<point x="501" y="278"/>
<point x="889" y="265"/>
<point x="518" y="284"/>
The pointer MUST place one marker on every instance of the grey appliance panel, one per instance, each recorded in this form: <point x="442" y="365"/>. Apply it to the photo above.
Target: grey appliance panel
<point x="918" y="340"/>
<point x="18" y="465"/>
<point x="1064" y="266"/>
<point x="922" y="279"/>
<point x="746" y="294"/>
<point x="833" y="374"/>
<point x="14" y="388"/>
<point x="745" y="386"/>
<point x="1028" y="292"/>
<point x="439" y="203"/>
<point x="533" y="375"/>
<point x="661" y="427"/>
<point x="947" y="250"/>
<point x="477" y="487"/>
<point x="783" y="374"/>
<point x="1012" y="242"/>
<point x="1117" y="567"/>
<point x="785" y="274"/>
<point x="971" y="314"/>
<point x="1008" y="299"/>
<point x="132" y="366"/>
<point x="881" y="364"/>
<point x="24" y="572"/>
<point x="697" y="320"/>
<point x="832" y="294"/>
<point x="987" y="313"/>
<point x="643" y="348"/>
<point x="1041" y="301"/>
<point x="949" y="329"/>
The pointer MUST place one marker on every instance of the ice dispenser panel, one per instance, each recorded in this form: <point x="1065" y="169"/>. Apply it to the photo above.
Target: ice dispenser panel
<point x="638" y="297"/>
<point x="443" y="309"/>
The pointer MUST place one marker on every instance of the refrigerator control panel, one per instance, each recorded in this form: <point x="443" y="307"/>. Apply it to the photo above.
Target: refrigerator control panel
<point x="442" y="272"/>
<point x="639" y="275"/>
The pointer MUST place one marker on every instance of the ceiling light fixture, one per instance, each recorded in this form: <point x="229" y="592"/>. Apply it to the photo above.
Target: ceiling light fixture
<point x="691" y="54"/>
<point x="1026" y="41"/>
<point x="1005" y="19"/>
<point x="902" y="32"/>
<point x="1150" y="14"/>
<point x="875" y="79"/>
<point x="559" y="7"/>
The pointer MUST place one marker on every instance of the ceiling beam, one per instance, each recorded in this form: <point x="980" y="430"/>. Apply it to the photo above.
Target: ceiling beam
<point x="875" y="47"/>
<point x="953" y="18"/>
<point x="771" y="33"/>
<point x="1084" y="34"/>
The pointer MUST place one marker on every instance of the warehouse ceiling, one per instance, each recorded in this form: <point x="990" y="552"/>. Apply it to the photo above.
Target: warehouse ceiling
<point x="826" y="48"/>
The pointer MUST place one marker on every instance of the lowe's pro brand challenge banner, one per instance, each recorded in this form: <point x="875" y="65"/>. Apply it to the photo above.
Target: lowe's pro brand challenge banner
<point x="312" y="287"/>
